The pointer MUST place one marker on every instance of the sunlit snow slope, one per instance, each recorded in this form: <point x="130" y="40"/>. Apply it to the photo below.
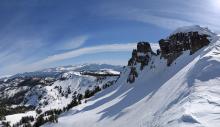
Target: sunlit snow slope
<point x="185" y="94"/>
<point x="50" y="89"/>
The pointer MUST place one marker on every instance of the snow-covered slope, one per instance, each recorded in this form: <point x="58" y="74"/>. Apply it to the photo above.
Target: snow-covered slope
<point x="185" y="94"/>
<point x="23" y="94"/>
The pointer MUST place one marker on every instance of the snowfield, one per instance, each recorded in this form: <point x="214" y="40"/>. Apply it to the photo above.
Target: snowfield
<point x="186" y="94"/>
<point x="17" y="117"/>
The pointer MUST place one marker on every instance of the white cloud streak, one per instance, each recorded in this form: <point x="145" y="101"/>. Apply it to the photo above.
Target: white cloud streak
<point x="87" y="50"/>
<point x="146" y="16"/>
<point x="143" y="15"/>
<point x="73" y="43"/>
<point x="84" y="51"/>
<point x="164" y="22"/>
<point x="169" y="14"/>
<point x="14" y="49"/>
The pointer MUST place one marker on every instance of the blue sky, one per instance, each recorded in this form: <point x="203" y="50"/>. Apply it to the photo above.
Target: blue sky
<point x="36" y="34"/>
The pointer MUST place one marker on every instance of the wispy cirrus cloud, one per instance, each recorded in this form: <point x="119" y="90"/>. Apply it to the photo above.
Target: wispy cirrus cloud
<point x="168" y="14"/>
<point x="80" y="52"/>
<point x="15" y="49"/>
<point x="83" y="51"/>
<point x="73" y="43"/>
<point x="147" y="16"/>
<point x="161" y="21"/>
<point x="160" y="17"/>
<point x="91" y="50"/>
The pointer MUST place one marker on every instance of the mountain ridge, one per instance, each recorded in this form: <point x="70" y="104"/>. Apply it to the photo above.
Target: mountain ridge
<point x="160" y="96"/>
<point x="176" y="85"/>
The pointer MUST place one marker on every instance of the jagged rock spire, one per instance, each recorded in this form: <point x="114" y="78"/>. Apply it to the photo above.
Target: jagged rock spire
<point x="140" y="55"/>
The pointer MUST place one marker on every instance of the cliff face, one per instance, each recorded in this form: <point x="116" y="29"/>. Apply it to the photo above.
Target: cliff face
<point x="141" y="55"/>
<point x="172" y="47"/>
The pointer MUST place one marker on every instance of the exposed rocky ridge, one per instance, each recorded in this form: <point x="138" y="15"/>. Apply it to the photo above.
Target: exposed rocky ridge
<point x="187" y="38"/>
<point x="140" y="55"/>
<point x="172" y="47"/>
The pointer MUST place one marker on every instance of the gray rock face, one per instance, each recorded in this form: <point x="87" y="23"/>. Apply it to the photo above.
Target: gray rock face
<point x="140" y="55"/>
<point x="143" y="47"/>
<point x="172" y="47"/>
<point x="133" y="74"/>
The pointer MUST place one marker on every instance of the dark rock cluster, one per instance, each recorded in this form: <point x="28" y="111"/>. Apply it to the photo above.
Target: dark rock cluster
<point x="132" y="75"/>
<point x="140" y="55"/>
<point x="143" y="47"/>
<point x="172" y="47"/>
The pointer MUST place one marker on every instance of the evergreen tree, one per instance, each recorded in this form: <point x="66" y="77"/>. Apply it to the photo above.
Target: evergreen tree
<point x="87" y="93"/>
<point x="79" y="97"/>
<point x="68" y="90"/>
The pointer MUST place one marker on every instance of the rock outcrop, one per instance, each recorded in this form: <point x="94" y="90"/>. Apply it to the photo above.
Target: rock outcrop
<point x="132" y="75"/>
<point x="172" y="47"/>
<point x="140" y="55"/>
<point x="189" y="38"/>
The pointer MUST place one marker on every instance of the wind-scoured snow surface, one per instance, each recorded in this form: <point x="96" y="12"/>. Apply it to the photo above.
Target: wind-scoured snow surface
<point x="186" y="94"/>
